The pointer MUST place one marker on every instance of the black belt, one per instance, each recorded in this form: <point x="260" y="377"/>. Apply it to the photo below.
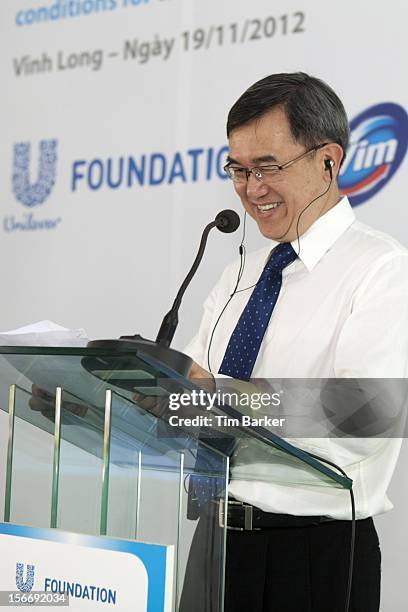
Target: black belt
<point x="244" y="517"/>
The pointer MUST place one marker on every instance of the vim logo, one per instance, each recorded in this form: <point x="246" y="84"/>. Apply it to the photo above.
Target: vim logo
<point x="378" y="144"/>
<point x="32" y="194"/>
<point x="25" y="586"/>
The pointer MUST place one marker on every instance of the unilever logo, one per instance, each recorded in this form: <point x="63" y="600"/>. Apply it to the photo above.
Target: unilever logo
<point x="25" y="586"/>
<point x="378" y="144"/>
<point x="32" y="194"/>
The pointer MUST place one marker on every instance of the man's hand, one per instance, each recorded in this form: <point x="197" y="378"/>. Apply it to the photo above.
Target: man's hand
<point x="44" y="402"/>
<point x="201" y="377"/>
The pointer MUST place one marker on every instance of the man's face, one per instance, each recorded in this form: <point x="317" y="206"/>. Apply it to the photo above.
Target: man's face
<point x="276" y="204"/>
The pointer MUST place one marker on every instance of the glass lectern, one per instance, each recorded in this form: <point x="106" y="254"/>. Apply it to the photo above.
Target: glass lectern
<point x="90" y="452"/>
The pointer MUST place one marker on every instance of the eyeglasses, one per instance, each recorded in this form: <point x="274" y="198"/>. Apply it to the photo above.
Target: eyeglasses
<point x="269" y="173"/>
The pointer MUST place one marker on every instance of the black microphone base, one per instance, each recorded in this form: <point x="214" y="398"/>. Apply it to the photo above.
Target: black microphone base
<point x="175" y="360"/>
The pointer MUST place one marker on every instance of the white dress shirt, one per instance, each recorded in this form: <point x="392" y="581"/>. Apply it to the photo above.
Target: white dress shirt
<point x="342" y="312"/>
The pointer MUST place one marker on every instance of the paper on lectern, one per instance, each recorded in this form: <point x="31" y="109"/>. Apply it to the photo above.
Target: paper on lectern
<point x="44" y="333"/>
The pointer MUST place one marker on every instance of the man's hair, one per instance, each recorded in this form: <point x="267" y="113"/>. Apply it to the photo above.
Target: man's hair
<point x="315" y="113"/>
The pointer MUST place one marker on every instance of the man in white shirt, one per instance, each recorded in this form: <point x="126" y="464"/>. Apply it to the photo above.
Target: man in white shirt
<point x="340" y="311"/>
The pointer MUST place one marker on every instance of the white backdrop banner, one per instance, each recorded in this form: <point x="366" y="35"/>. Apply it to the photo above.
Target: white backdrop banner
<point x="113" y="142"/>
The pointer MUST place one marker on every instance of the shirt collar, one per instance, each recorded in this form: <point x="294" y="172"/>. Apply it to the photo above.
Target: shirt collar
<point x="324" y="232"/>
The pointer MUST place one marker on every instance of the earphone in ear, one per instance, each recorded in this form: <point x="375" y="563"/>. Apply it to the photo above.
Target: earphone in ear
<point x="328" y="165"/>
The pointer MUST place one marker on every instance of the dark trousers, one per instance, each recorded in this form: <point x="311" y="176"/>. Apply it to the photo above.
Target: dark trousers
<point x="288" y="569"/>
<point x="303" y="569"/>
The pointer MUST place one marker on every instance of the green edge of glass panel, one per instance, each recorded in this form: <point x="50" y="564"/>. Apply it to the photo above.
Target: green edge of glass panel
<point x="56" y="460"/>
<point x="10" y="447"/>
<point x="138" y="493"/>
<point x="224" y="536"/>
<point x="106" y="463"/>
<point x="179" y="520"/>
<point x="64" y="350"/>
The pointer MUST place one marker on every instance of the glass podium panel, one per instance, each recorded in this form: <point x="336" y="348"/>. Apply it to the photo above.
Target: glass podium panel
<point x="87" y="455"/>
<point x="93" y="449"/>
<point x="30" y="479"/>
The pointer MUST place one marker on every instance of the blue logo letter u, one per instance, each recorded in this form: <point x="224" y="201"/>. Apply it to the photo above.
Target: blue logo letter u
<point x="35" y="193"/>
<point x="27" y="585"/>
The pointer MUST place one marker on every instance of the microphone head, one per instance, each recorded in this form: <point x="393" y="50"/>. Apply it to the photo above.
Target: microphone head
<point x="227" y="221"/>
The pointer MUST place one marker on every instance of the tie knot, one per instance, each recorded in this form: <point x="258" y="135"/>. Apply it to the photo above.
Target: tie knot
<point x="281" y="256"/>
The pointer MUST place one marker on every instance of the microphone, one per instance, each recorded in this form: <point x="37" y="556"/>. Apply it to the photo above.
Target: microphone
<point x="227" y="221"/>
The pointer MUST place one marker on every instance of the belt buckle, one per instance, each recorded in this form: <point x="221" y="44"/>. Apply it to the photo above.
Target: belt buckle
<point x="248" y="514"/>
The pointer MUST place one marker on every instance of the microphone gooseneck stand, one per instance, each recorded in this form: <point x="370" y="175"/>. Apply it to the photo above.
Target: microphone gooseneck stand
<point x="226" y="221"/>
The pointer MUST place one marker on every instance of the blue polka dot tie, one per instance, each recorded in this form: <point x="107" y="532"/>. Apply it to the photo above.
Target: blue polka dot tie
<point x="241" y="354"/>
<point x="246" y="339"/>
